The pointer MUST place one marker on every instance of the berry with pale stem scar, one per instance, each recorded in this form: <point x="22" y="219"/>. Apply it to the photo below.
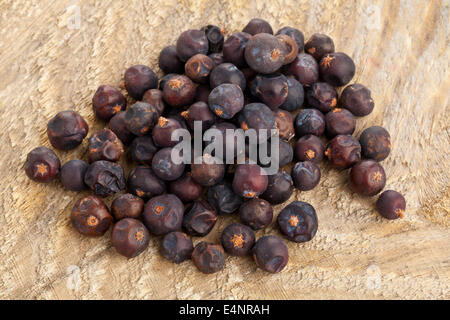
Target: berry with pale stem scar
<point x="179" y="91"/>
<point x="298" y="221"/>
<point x="42" y="165"/>
<point x="322" y="96"/>
<point x="367" y="178"/>
<point x="107" y="102"/>
<point x="163" y="214"/>
<point x="339" y="122"/>
<point x="264" y="53"/>
<point x="319" y="45"/>
<point x="130" y="237"/>
<point x="91" y="217"/>
<point x="237" y="239"/>
<point x="162" y="132"/>
<point x="337" y="68"/>
<point x="226" y="100"/>
<point x="309" y="148"/>
<point x="199" y="111"/>
<point x="249" y="180"/>
<point x="199" y="67"/>
<point x="391" y="205"/>
<point x="104" y="145"/>
<point x="343" y="151"/>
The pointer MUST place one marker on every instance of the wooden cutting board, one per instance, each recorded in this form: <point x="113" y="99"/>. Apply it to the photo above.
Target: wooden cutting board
<point x="49" y="62"/>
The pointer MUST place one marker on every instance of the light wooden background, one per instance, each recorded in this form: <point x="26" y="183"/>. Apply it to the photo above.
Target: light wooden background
<point x="401" y="49"/>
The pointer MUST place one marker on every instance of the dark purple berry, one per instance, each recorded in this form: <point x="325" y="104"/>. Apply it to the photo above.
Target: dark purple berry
<point x="237" y="239"/>
<point x="227" y="73"/>
<point x="186" y="188"/>
<point x="337" y="68"/>
<point x="162" y="132"/>
<point x="127" y="206"/>
<point x="222" y="198"/>
<point x="284" y="156"/>
<point x="367" y="178"/>
<point x="298" y="221"/>
<point x="142" y="150"/>
<point x="130" y="237"/>
<point x="304" y="68"/>
<point x="295" y="96"/>
<point x="207" y="170"/>
<point x="256" y="213"/>
<point x="140" y="118"/>
<point x="309" y="148"/>
<point x="107" y="102"/>
<point x="208" y="257"/>
<point x="375" y="143"/>
<point x="357" y="99"/>
<point x="199" y="219"/>
<point x="139" y="79"/>
<point x="217" y="58"/>
<point x="295" y="34"/>
<point x="166" y="78"/>
<point x="309" y="121"/>
<point x="190" y="43"/>
<point x="226" y="100"/>
<point x="259" y="117"/>
<point x="256" y="26"/>
<point x="155" y="98"/>
<point x="270" y="254"/>
<point x="215" y="37"/>
<point x="264" y="53"/>
<point x="143" y="183"/>
<point x="319" y="45"/>
<point x="234" y="48"/>
<point x="306" y="175"/>
<point x="104" y="145"/>
<point x="199" y="111"/>
<point x="163" y="214"/>
<point x="290" y="48"/>
<point x="42" y="165"/>
<point x="279" y="189"/>
<point x="339" y="122"/>
<point x="164" y="166"/>
<point x="391" y="205"/>
<point x="249" y="181"/>
<point x="72" y="175"/>
<point x="169" y="62"/>
<point x="270" y="89"/>
<point x="228" y="149"/>
<point x="199" y="67"/>
<point x="322" y="96"/>
<point x="67" y="130"/>
<point x="176" y="247"/>
<point x="343" y="151"/>
<point x="91" y="217"/>
<point x="179" y="91"/>
<point x="105" y="178"/>
<point x="118" y="126"/>
<point x="285" y="124"/>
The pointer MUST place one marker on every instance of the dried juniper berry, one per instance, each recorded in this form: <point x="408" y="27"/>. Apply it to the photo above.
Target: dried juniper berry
<point x="169" y="62"/>
<point x="155" y="98"/>
<point x="256" y="213"/>
<point x="357" y="99"/>
<point x="207" y="170"/>
<point x="298" y="221"/>
<point x="186" y="188"/>
<point x="283" y="157"/>
<point x="222" y="198"/>
<point x="319" y="45"/>
<point x="199" y="219"/>
<point x="199" y="111"/>
<point x="202" y="93"/>
<point x="140" y="118"/>
<point x="190" y="43"/>
<point x="227" y="73"/>
<point x="130" y="237"/>
<point x="285" y="124"/>
<point x="375" y="143"/>
<point x="179" y="91"/>
<point x="309" y="121"/>
<point x="142" y="150"/>
<point x="127" y="206"/>
<point x="208" y="257"/>
<point x="226" y="100"/>
<point x="295" y="96"/>
<point x="118" y="126"/>
<point x="270" y="254"/>
<point x="105" y="178"/>
<point x="234" y="149"/>
<point x="295" y="34"/>
<point x="199" y="67"/>
<point x="67" y="130"/>
<point x="264" y="53"/>
<point x="237" y="239"/>
<point x="339" y="122"/>
<point x="290" y="48"/>
<point x="304" y="68"/>
<point x="217" y="58"/>
<point x="143" y="183"/>
<point x="270" y="89"/>
<point x="164" y="166"/>
<point x="42" y="165"/>
<point x="250" y="180"/>
<point x="391" y="205"/>
<point x="259" y="117"/>
<point x="279" y="188"/>
<point x="107" y="102"/>
<point x="343" y="151"/>
<point x="309" y="148"/>
<point x="256" y="26"/>
<point x="234" y="48"/>
<point x="215" y="37"/>
<point x="337" y="68"/>
<point x="367" y="178"/>
<point x="162" y="132"/>
<point x="176" y="247"/>
<point x="306" y="175"/>
<point x="163" y="214"/>
<point x="104" y="145"/>
<point x="322" y="96"/>
<point x="72" y="175"/>
<point x="91" y="217"/>
<point x="166" y="78"/>
<point x="138" y="79"/>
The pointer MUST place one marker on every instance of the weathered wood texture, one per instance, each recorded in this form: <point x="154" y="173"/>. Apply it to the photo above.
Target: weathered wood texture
<point x="401" y="49"/>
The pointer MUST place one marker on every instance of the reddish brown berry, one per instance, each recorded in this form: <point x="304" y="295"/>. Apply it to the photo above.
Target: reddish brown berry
<point x="309" y="148"/>
<point x="105" y="178"/>
<point x="140" y="118"/>
<point x="107" y="102"/>
<point x="367" y="178"/>
<point x="67" y="130"/>
<point x="270" y="254"/>
<point x="104" y="145"/>
<point x="343" y="151"/>
<point x="199" y="219"/>
<point x="391" y="205"/>
<point x="339" y="122"/>
<point x="357" y="99"/>
<point x="130" y="237"/>
<point x="138" y="79"/>
<point x="337" y="68"/>
<point x="237" y="239"/>
<point x="176" y="246"/>
<point x="375" y="143"/>
<point x="91" y="217"/>
<point x="127" y="206"/>
<point x="163" y="214"/>
<point x="199" y="67"/>
<point x="179" y="91"/>
<point x="208" y="257"/>
<point x="42" y="165"/>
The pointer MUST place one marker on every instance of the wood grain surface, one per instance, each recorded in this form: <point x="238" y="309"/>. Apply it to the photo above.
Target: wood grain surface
<point x="401" y="50"/>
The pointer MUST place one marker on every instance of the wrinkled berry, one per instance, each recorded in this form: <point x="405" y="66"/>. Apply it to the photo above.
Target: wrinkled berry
<point x="67" y="130"/>
<point x="199" y="219"/>
<point x="169" y="62"/>
<point x="367" y="178"/>
<point x="309" y="148"/>
<point x="285" y="124"/>
<point x="107" y="102"/>
<point x="264" y="53"/>
<point x="127" y="206"/>
<point x="163" y="214"/>
<point x="164" y="167"/>
<point x="42" y="165"/>
<point x="249" y="180"/>
<point x="155" y="98"/>
<point x="337" y="68"/>
<point x="190" y="43"/>
<point x="309" y="121"/>
<point x="166" y="78"/>
<point x="295" y="96"/>
<point x="91" y="217"/>
<point x="339" y="122"/>
<point x="130" y="237"/>
<point x="208" y="257"/>
<point x="199" y="67"/>
<point x="105" y="178"/>
<point x="319" y="45"/>
<point x="199" y="111"/>
<point x="298" y="221"/>
<point x="270" y="89"/>
<point x="138" y="79"/>
<point x="256" y="26"/>
<point x="143" y="183"/>
<point x="179" y="91"/>
<point x="162" y="132"/>
<point x="226" y="100"/>
<point x="237" y="239"/>
<point x="215" y="37"/>
<point x="279" y="188"/>
<point x="72" y="175"/>
<point x="343" y="151"/>
<point x="104" y="145"/>
<point x="259" y="117"/>
<point x="222" y="198"/>
<point x="295" y="34"/>
<point x="234" y="48"/>
<point x="142" y="150"/>
<point x="357" y="99"/>
<point x="306" y="175"/>
<point x="118" y="126"/>
<point x="186" y="188"/>
<point x="270" y="254"/>
<point x="304" y="68"/>
<point x="176" y="247"/>
<point x="322" y="96"/>
<point x="227" y="73"/>
<point x="208" y="172"/>
<point x="290" y="48"/>
<point x="256" y="213"/>
<point x="140" y="118"/>
<point x="375" y="143"/>
<point x="391" y="205"/>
